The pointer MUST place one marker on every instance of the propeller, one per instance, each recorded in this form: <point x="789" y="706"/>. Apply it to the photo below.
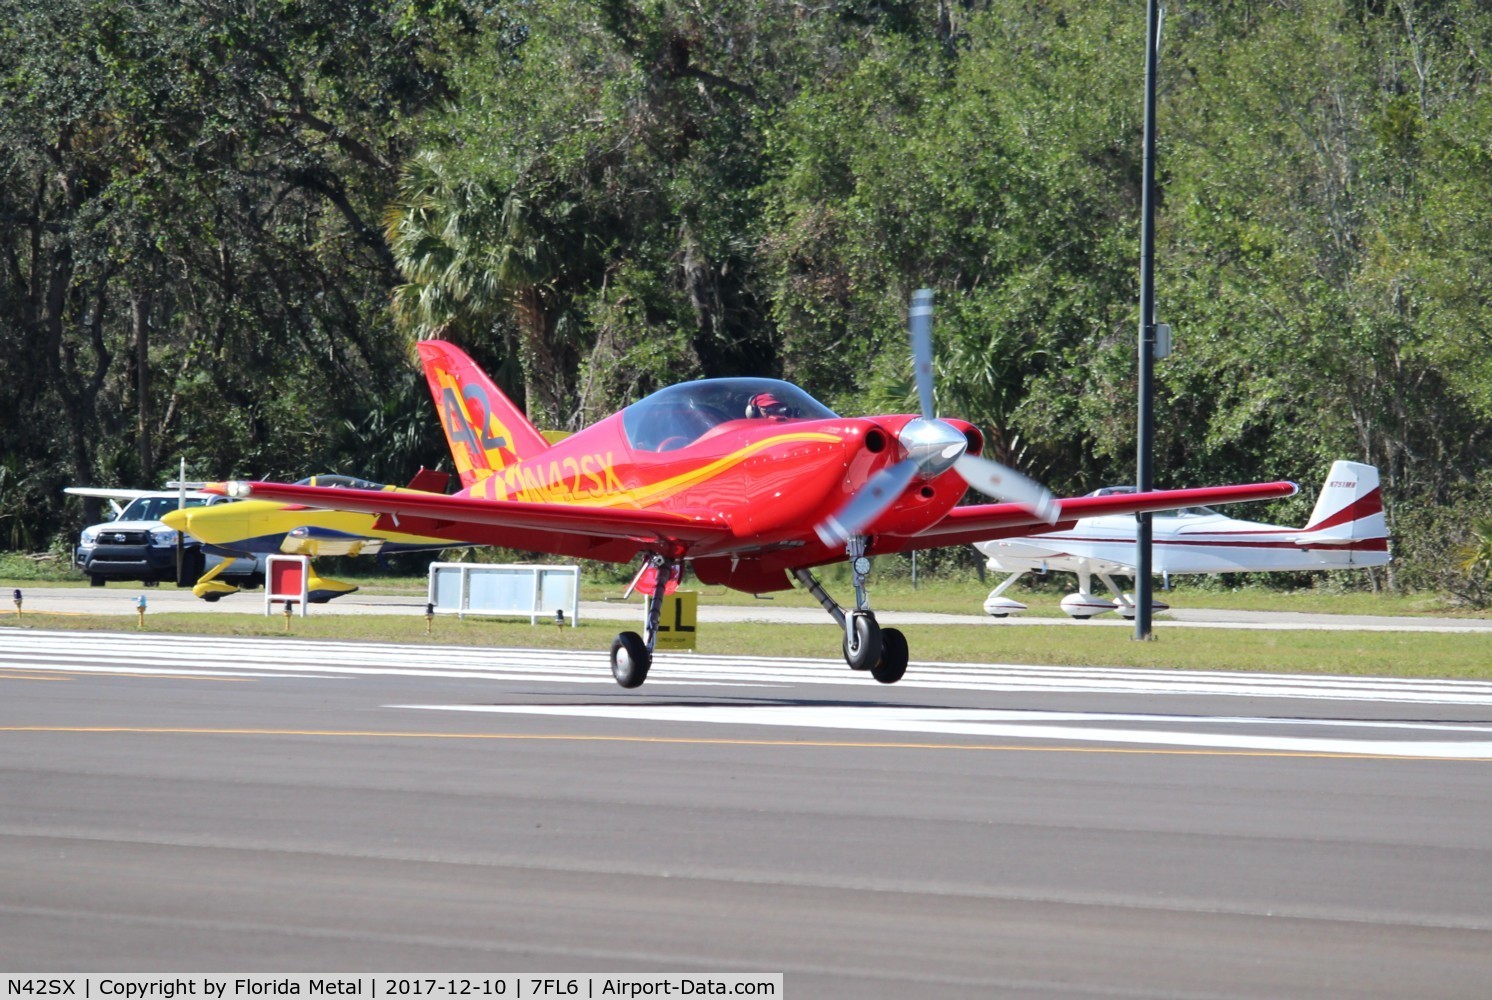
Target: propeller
<point x="931" y="447"/>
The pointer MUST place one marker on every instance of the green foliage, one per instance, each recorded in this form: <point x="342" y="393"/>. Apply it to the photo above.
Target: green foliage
<point x="1440" y="546"/>
<point x="190" y="269"/>
<point x="221" y="225"/>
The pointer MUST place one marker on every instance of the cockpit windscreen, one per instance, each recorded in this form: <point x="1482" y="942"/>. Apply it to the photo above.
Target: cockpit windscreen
<point x="682" y="414"/>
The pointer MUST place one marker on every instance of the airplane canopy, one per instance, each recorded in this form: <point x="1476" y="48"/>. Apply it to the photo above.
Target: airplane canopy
<point x="346" y="482"/>
<point x="682" y="414"/>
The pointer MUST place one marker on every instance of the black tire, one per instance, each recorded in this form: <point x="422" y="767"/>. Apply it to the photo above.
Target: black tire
<point x="894" y="655"/>
<point x="212" y="597"/>
<point x="190" y="567"/>
<point x="630" y="660"/>
<point x="868" y="634"/>
<point x="94" y="580"/>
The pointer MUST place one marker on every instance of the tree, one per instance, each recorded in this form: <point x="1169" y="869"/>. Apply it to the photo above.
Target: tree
<point x="608" y="167"/>
<point x="190" y="266"/>
<point x="997" y="171"/>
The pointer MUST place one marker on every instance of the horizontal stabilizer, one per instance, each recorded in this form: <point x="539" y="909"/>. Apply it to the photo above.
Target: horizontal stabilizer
<point x="1323" y="539"/>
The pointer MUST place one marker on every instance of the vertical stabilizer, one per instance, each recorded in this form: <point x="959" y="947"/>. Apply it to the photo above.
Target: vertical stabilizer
<point x="486" y="432"/>
<point x="1350" y="507"/>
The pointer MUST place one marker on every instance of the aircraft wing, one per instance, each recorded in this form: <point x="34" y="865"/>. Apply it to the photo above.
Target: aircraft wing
<point x="121" y="494"/>
<point x="982" y="522"/>
<point x="566" y="528"/>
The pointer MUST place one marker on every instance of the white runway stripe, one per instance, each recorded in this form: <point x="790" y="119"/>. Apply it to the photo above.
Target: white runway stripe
<point x="272" y="657"/>
<point x="1237" y="734"/>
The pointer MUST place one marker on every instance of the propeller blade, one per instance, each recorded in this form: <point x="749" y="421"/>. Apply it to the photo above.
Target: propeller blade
<point x="868" y="504"/>
<point x="997" y="480"/>
<point x="920" y="327"/>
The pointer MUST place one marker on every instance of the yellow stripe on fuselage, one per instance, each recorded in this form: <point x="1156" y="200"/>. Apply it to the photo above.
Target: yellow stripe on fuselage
<point x="590" y="480"/>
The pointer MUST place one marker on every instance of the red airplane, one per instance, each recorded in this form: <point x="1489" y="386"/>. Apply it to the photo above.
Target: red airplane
<point x="750" y="481"/>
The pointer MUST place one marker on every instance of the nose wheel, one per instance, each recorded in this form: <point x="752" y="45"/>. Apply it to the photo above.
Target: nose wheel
<point x="867" y="646"/>
<point x="862" y="641"/>
<point x="892" y="665"/>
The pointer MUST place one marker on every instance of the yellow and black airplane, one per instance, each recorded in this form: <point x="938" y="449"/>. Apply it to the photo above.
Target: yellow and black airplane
<point x="250" y="528"/>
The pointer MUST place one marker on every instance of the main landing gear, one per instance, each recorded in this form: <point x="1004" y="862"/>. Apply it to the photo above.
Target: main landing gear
<point x="631" y="654"/>
<point x="881" y="651"/>
<point x="867" y="646"/>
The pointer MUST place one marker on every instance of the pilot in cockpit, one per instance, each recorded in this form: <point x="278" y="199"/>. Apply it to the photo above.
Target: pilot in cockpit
<point x="764" y="404"/>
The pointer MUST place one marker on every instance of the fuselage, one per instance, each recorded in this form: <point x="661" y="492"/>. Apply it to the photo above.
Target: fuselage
<point x="690" y="452"/>
<point x="1193" y="540"/>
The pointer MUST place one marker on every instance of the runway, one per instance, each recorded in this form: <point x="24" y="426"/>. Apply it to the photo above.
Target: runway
<point x="278" y="804"/>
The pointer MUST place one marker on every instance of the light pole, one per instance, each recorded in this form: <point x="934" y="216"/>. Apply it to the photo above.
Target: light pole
<point x="1146" y="430"/>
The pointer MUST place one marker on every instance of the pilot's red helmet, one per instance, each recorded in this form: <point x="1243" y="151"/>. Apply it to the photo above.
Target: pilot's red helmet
<point x="764" y="404"/>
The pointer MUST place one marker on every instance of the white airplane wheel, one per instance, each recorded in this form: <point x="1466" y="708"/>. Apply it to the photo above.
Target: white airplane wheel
<point x="867" y="651"/>
<point x="630" y="659"/>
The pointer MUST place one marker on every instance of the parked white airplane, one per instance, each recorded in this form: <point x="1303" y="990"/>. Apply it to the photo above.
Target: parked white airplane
<point x="1346" y="530"/>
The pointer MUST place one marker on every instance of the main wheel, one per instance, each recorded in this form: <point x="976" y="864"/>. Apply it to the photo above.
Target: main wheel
<point x="866" y="651"/>
<point x="190" y="565"/>
<point x="630" y="659"/>
<point x="894" y="656"/>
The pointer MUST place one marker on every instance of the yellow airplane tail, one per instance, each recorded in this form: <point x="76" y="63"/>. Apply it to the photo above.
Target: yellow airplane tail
<point x="485" y="430"/>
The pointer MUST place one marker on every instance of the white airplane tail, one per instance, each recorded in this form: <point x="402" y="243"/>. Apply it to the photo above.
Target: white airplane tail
<point x="1349" y="511"/>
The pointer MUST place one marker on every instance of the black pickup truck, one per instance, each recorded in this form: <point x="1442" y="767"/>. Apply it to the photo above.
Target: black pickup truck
<point x="137" y="546"/>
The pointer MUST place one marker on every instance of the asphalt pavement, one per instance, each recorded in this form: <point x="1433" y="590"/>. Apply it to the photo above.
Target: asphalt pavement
<point x="188" y="804"/>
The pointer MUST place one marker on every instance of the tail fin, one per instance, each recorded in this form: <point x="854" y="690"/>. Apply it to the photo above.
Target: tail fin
<point x="485" y="430"/>
<point x="1349" y="510"/>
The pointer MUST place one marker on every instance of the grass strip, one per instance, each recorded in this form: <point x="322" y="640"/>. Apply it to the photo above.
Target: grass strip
<point x="1306" y="651"/>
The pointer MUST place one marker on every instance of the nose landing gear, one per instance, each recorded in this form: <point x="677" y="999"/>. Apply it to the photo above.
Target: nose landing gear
<point x="867" y="646"/>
